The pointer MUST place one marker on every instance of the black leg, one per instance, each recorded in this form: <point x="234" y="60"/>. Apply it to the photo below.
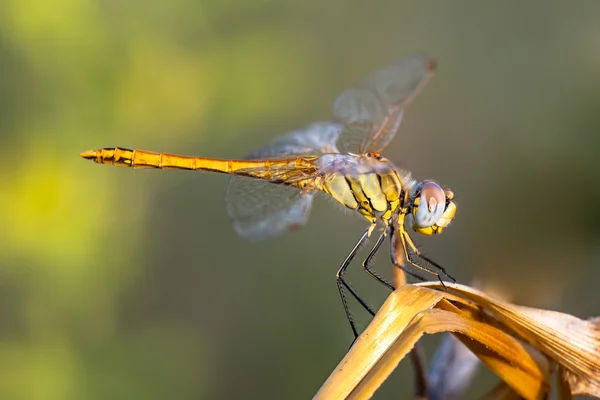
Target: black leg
<point x="430" y="261"/>
<point x="406" y="242"/>
<point x="341" y="282"/>
<point x="370" y="256"/>
<point x="394" y="257"/>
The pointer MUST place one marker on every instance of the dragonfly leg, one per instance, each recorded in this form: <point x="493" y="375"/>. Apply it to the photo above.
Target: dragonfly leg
<point x="370" y="256"/>
<point x="394" y="243"/>
<point x="430" y="261"/>
<point x="407" y="271"/>
<point x="406" y="240"/>
<point x="343" y="284"/>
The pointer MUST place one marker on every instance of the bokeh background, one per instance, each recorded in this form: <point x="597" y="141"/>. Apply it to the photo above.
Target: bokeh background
<point x="123" y="284"/>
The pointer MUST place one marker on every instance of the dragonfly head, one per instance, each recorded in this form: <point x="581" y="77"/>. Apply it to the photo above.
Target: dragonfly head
<point x="432" y="208"/>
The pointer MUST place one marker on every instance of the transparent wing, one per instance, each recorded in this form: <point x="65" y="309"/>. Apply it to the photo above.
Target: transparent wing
<point x="372" y="110"/>
<point x="318" y="138"/>
<point x="261" y="209"/>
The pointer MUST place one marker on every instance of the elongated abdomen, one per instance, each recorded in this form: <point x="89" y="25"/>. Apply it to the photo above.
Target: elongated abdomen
<point x="121" y="157"/>
<point x="277" y="171"/>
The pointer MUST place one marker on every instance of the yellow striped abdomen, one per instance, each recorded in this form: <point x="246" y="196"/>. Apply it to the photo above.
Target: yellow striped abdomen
<point x="287" y="171"/>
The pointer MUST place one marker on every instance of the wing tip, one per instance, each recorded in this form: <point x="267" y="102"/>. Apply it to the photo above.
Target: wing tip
<point x="431" y="65"/>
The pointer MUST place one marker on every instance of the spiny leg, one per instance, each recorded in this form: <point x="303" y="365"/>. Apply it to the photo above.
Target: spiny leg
<point x="438" y="266"/>
<point x="370" y="256"/>
<point x="429" y="260"/>
<point x="341" y="282"/>
<point x="409" y="257"/>
<point x="394" y="256"/>
<point x="409" y="272"/>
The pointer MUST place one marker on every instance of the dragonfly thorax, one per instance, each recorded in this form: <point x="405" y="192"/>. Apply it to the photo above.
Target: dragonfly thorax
<point x="372" y="186"/>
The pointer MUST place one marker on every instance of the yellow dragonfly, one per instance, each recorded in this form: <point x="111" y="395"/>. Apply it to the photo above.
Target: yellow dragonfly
<point x="272" y="189"/>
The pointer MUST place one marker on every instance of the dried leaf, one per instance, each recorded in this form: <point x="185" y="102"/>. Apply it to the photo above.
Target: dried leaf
<point x="571" y="342"/>
<point x="408" y="314"/>
<point x="514" y="342"/>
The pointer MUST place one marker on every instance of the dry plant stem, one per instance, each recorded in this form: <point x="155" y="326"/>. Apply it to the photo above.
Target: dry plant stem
<point x="417" y="358"/>
<point x="399" y="275"/>
<point x="417" y="355"/>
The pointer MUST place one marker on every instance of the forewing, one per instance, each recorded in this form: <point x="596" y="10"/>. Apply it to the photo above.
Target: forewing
<point x="261" y="210"/>
<point x="371" y="111"/>
<point x="318" y="138"/>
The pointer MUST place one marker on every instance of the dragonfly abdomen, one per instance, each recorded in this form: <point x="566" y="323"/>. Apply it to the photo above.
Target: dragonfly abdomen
<point x="122" y="157"/>
<point x="287" y="171"/>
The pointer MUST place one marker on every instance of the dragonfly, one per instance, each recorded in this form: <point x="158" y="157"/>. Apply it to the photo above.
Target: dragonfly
<point x="272" y="189"/>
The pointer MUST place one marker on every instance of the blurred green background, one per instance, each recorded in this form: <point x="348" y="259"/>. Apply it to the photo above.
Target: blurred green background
<point x="123" y="284"/>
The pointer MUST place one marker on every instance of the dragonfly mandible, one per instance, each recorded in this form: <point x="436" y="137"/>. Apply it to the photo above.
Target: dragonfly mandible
<point x="272" y="189"/>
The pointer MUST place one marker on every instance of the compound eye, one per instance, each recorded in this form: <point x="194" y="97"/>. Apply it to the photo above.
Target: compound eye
<point x="429" y="206"/>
